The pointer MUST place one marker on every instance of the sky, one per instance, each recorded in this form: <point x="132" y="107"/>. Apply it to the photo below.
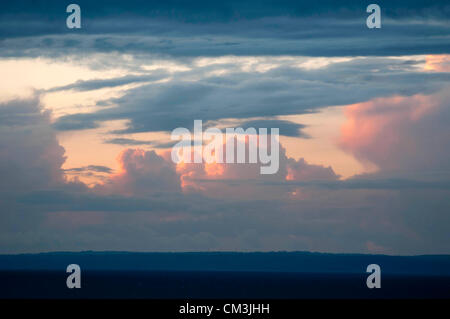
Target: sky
<point x="86" y="117"/>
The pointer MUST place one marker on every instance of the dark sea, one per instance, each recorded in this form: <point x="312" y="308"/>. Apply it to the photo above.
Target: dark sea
<point x="217" y="285"/>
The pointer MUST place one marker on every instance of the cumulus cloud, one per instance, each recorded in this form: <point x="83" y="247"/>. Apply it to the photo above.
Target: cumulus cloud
<point x="30" y="160"/>
<point x="30" y="155"/>
<point x="400" y="133"/>
<point x="144" y="172"/>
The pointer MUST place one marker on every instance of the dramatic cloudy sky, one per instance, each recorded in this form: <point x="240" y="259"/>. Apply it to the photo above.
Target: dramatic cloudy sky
<point x="86" y="117"/>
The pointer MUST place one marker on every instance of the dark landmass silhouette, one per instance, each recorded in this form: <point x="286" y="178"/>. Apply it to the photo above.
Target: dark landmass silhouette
<point x="223" y="275"/>
<point x="305" y="262"/>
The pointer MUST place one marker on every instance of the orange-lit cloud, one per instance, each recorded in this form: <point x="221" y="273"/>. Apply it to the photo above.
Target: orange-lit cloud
<point x="143" y="172"/>
<point x="437" y="63"/>
<point x="146" y="172"/>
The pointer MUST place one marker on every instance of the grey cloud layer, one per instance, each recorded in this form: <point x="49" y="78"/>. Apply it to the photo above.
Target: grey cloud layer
<point x="107" y="83"/>
<point x="202" y="28"/>
<point x="283" y="90"/>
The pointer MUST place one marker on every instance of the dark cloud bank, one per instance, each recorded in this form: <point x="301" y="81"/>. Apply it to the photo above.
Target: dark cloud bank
<point x="205" y="28"/>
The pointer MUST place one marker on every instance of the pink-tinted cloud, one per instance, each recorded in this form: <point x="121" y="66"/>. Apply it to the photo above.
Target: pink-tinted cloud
<point x="245" y="180"/>
<point x="143" y="172"/>
<point x="399" y="133"/>
<point x="146" y="172"/>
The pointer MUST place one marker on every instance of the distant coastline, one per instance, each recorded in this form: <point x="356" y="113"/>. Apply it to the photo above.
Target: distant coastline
<point x="303" y="262"/>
